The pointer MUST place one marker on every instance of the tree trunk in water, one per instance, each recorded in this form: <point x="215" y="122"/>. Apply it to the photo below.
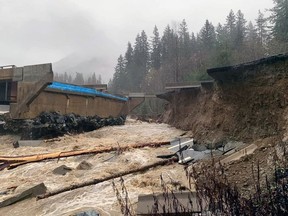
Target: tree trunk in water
<point x="117" y="175"/>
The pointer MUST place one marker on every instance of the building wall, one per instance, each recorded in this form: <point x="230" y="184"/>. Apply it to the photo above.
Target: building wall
<point x="6" y="74"/>
<point x="71" y="103"/>
<point x="29" y="76"/>
<point x="31" y="80"/>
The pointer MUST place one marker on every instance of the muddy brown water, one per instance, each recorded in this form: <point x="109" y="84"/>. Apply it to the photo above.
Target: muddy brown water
<point x="101" y="196"/>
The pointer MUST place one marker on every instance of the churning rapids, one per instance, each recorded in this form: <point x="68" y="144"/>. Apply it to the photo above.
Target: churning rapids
<point x="100" y="197"/>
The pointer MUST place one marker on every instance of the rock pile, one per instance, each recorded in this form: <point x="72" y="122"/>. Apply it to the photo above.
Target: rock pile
<point x="53" y="124"/>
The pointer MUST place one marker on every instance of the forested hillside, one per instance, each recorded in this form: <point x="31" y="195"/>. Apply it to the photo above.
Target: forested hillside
<point x="182" y="56"/>
<point x="78" y="79"/>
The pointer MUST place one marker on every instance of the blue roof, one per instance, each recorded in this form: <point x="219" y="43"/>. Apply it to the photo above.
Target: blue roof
<point x="83" y="90"/>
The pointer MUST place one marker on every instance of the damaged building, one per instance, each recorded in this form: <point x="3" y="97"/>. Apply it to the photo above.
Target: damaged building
<point x="27" y="91"/>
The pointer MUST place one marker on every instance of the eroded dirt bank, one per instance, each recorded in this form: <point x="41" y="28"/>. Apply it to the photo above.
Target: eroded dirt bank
<point x="101" y="196"/>
<point x="250" y="106"/>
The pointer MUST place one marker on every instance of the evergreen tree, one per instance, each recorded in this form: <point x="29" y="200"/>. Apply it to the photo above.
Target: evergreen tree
<point x="262" y="28"/>
<point x="129" y="55"/>
<point x="93" y="79"/>
<point x="167" y="42"/>
<point x="140" y="60"/>
<point x="208" y="36"/>
<point x="129" y="66"/>
<point x="61" y="78"/>
<point x="207" y="45"/>
<point x="56" y="77"/>
<point x="145" y="51"/>
<point x="99" y="80"/>
<point x="156" y="49"/>
<point x="89" y="80"/>
<point x="254" y="48"/>
<point x="184" y="40"/>
<point x="231" y="28"/>
<point x="223" y="46"/>
<point x="70" y="80"/>
<point x="279" y="20"/>
<point x="79" y="79"/>
<point x="240" y="31"/>
<point x="170" y="55"/>
<point x="231" y="23"/>
<point x="193" y="43"/>
<point x="119" y="77"/>
<point x="110" y="85"/>
<point x="65" y="77"/>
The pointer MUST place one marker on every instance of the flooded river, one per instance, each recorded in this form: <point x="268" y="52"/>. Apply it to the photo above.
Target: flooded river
<point x="101" y="196"/>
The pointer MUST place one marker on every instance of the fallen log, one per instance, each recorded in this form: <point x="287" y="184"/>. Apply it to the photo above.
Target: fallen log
<point x="20" y="160"/>
<point x="107" y="178"/>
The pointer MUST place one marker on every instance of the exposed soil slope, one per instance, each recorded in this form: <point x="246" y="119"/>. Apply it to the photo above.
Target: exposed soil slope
<point x="246" y="109"/>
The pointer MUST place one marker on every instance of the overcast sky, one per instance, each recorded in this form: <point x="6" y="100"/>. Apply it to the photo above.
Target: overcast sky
<point x="39" y="31"/>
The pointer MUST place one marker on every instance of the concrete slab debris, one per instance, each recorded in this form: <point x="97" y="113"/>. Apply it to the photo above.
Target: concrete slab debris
<point x="31" y="192"/>
<point x="233" y="145"/>
<point x="186" y="151"/>
<point x="237" y="155"/>
<point x="198" y="147"/>
<point x="191" y="155"/>
<point x="184" y="148"/>
<point x="90" y="212"/>
<point x="84" y="165"/>
<point x="176" y="203"/>
<point x="30" y="143"/>
<point x="62" y="170"/>
<point x="178" y="143"/>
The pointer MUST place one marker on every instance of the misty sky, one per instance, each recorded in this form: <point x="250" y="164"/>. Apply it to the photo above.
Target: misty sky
<point x="40" y="31"/>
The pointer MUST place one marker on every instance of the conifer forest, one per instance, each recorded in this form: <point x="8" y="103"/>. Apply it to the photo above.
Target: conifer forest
<point x="179" y="56"/>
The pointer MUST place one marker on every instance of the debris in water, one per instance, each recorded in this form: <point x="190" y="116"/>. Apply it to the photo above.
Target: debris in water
<point x="89" y="212"/>
<point x="186" y="151"/>
<point x="174" y="154"/>
<point x="107" y="178"/>
<point x="12" y="162"/>
<point x="31" y="192"/>
<point x="31" y="143"/>
<point x="61" y="170"/>
<point x="84" y="165"/>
